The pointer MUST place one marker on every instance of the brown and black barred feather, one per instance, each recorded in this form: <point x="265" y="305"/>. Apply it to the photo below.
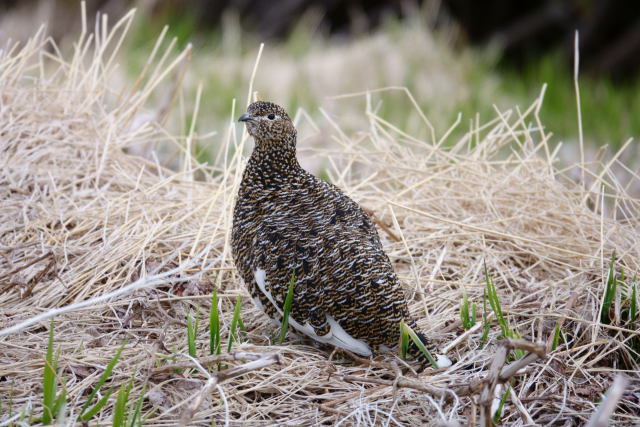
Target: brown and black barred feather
<point x="287" y="221"/>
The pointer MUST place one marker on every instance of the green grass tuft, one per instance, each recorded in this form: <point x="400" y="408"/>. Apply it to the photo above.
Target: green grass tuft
<point x="120" y="415"/>
<point x="52" y="403"/>
<point x="467" y="317"/>
<point x="622" y="298"/>
<point x="86" y="415"/>
<point x="492" y="296"/>
<point x="494" y="302"/>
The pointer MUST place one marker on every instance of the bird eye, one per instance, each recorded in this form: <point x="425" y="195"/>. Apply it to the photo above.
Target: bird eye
<point x="271" y="116"/>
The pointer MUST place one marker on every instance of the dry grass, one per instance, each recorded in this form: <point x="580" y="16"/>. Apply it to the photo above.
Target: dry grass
<point x="82" y="219"/>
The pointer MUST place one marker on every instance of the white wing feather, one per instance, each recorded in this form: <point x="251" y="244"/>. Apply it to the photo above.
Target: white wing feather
<point x="337" y="335"/>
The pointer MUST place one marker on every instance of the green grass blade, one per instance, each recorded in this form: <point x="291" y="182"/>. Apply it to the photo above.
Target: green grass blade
<point x="86" y="416"/>
<point x="49" y="382"/>
<point x="556" y="336"/>
<point x="242" y="328"/>
<point x="485" y="317"/>
<point x="214" y="325"/>
<point x="464" y="311"/>
<point x="60" y="404"/>
<point x="103" y="378"/>
<point x="494" y="302"/>
<point x="234" y="322"/>
<point x="503" y="400"/>
<point x="467" y="317"/>
<point x="137" y="413"/>
<point x="403" y="346"/>
<point x="418" y="342"/>
<point x="287" y="309"/>
<point x="491" y="295"/>
<point x="120" y="408"/>
<point x="191" y="335"/>
<point x="609" y="293"/>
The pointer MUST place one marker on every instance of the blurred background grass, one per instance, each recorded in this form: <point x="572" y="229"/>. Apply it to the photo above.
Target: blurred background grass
<point x="455" y="57"/>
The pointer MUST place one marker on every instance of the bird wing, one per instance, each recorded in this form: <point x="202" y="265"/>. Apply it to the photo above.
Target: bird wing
<point x="344" y="280"/>
<point x="336" y="335"/>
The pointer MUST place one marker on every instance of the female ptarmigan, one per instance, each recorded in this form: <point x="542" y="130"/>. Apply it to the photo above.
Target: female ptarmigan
<point x="286" y="220"/>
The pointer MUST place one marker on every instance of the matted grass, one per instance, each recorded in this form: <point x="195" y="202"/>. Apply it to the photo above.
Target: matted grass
<point x="114" y="247"/>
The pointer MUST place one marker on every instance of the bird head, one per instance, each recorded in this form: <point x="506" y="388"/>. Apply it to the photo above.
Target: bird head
<point x="267" y="121"/>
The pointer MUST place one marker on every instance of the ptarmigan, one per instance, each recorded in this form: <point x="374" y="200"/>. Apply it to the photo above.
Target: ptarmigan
<point x="288" y="221"/>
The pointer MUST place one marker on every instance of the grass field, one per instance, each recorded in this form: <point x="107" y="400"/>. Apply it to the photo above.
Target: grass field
<point x="308" y="69"/>
<point x="115" y="234"/>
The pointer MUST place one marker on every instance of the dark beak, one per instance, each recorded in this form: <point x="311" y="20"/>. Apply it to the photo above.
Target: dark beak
<point x="246" y="117"/>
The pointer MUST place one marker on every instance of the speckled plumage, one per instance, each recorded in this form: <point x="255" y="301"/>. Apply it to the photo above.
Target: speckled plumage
<point x="285" y="220"/>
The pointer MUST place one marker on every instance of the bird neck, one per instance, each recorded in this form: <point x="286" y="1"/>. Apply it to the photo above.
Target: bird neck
<point x="274" y="161"/>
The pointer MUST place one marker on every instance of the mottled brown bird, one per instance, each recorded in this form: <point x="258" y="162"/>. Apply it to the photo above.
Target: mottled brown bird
<point x="287" y="221"/>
